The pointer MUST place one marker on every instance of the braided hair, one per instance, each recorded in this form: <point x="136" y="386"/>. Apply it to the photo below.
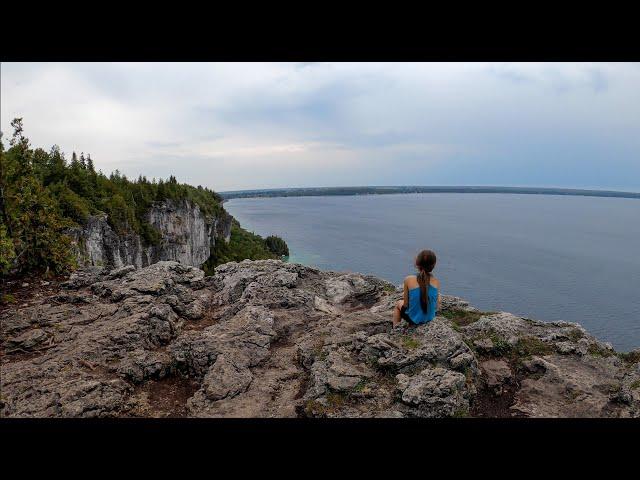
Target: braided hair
<point x="425" y="261"/>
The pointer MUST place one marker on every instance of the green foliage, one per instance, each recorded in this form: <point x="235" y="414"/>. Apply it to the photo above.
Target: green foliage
<point x="575" y="334"/>
<point x="410" y="343"/>
<point x="462" y="317"/>
<point x="500" y="345"/>
<point x="528" y="346"/>
<point x="7" y="252"/>
<point x="242" y="245"/>
<point x="461" y="413"/>
<point x="597" y="351"/>
<point x="150" y="234"/>
<point x="38" y="229"/>
<point x="121" y="217"/>
<point x="71" y="205"/>
<point x="630" y="357"/>
<point x="30" y="214"/>
<point x="361" y="385"/>
<point x="277" y="245"/>
<point x="7" y="298"/>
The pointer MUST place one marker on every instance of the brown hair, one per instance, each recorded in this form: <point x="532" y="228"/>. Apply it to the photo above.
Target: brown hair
<point x="425" y="261"/>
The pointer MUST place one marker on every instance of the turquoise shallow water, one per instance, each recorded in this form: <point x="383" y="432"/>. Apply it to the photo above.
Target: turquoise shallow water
<point x="545" y="257"/>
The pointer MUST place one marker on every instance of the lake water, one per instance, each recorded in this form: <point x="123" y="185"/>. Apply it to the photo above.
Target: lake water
<point x="544" y="257"/>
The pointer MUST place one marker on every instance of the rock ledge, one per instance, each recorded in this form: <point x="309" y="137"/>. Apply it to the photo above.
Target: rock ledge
<point x="273" y="339"/>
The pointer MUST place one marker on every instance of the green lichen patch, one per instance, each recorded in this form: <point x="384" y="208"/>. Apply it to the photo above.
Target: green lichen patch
<point x="410" y="343"/>
<point x="461" y="317"/>
<point x="529" y="346"/>
<point x="598" y="351"/>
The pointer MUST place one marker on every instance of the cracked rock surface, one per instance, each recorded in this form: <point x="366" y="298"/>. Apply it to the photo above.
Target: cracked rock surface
<point x="273" y="339"/>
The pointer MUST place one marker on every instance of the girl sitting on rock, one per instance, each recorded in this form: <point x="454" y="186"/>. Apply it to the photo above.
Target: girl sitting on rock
<point x="421" y="297"/>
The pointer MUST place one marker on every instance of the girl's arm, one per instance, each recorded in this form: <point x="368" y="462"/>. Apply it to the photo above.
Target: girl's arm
<point x="405" y="295"/>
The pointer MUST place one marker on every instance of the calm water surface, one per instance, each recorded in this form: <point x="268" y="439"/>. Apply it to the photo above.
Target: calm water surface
<point x="545" y="257"/>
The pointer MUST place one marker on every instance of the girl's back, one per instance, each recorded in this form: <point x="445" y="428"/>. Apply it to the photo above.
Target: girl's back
<point x="414" y="309"/>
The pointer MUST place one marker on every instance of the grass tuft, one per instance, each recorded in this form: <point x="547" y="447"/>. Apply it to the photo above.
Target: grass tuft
<point x="461" y="413"/>
<point x="500" y="345"/>
<point x="410" y="343"/>
<point x="598" y="351"/>
<point x="630" y="357"/>
<point x="575" y="334"/>
<point x="528" y="346"/>
<point x="8" y="298"/>
<point x="461" y="317"/>
<point x="361" y="385"/>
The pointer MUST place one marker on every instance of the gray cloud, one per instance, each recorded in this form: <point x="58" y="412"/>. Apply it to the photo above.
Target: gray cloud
<point x="232" y="126"/>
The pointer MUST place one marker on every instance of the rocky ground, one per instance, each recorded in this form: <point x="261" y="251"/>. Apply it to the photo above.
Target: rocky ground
<point x="273" y="339"/>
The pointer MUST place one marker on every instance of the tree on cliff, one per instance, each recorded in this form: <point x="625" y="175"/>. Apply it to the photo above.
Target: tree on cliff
<point x="277" y="245"/>
<point x="30" y="215"/>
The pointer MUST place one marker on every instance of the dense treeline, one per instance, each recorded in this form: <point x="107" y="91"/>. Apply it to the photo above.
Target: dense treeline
<point x="329" y="191"/>
<point x="42" y="195"/>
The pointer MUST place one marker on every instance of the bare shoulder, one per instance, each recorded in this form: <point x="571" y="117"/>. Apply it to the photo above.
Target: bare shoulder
<point x="435" y="282"/>
<point x="410" y="281"/>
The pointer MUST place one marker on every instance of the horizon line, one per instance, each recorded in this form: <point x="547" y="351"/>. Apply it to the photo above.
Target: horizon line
<point x="275" y="189"/>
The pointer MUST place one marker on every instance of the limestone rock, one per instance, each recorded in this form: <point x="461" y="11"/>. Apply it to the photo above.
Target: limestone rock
<point x="274" y="339"/>
<point x="434" y="392"/>
<point x="187" y="237"/>
<point x="28" y="339"/>
<point x="497" y="374"/>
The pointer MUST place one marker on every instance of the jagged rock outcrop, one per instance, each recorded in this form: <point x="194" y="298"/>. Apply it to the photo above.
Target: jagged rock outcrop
<point x="186" y="235"/>
<point x="273" y="339"/>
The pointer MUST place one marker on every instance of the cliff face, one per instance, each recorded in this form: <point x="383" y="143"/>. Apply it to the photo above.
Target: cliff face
<point x="267" y="338"/>
<point x="187" y="236"/>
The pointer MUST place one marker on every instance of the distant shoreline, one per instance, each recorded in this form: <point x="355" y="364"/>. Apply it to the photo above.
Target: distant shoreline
<point x="376" y="190"/>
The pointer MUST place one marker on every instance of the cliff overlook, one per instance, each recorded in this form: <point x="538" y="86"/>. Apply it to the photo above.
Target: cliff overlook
<point x="273" y="339"/>
<point x="56" y="215"/>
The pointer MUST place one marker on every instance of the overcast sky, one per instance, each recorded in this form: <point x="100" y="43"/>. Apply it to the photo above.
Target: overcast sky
<point x="262" y="125"/>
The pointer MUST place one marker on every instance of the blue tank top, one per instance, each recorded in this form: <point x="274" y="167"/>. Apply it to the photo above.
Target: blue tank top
<point x="415" y="309"/>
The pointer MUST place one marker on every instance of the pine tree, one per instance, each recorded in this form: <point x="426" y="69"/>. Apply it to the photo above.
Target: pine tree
<point x="4" y="173"/>
<point x="90" y="166"/>
<point x="39" y="239"/>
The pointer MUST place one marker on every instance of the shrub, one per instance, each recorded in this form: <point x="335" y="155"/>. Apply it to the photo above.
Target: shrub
<point x="277" y="245"/>
<point x="71" y="204"/>
<point x="7" y="252"/>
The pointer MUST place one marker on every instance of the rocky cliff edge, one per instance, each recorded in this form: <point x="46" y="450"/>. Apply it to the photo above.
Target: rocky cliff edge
<point x="186" y="235"/>
<point x="273" y="339"/>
